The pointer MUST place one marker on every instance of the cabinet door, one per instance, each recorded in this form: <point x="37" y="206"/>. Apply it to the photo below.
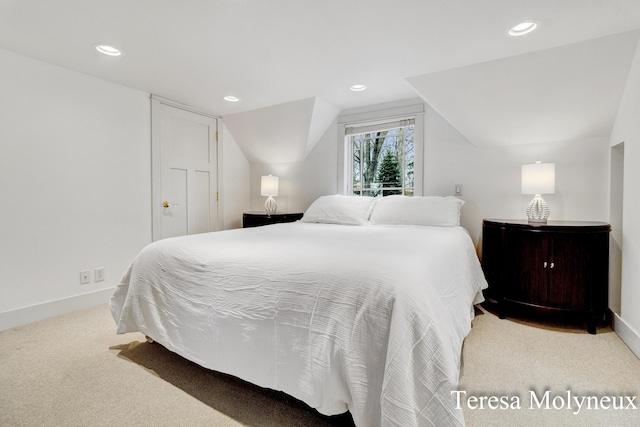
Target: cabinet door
<point x="567" y="270"/>
<point x="579" y="272"/>
<point x="526" y="253"/>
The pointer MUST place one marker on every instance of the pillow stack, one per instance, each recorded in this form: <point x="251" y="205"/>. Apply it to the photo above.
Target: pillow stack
<point x="390" y="210"/>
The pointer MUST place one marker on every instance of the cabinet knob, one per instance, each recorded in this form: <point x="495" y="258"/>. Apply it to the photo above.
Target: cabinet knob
<point x="551" y="265"/>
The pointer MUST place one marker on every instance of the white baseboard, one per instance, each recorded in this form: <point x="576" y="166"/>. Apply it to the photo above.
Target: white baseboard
<point x="25" y="315"/>
<point x="630" y="337"/>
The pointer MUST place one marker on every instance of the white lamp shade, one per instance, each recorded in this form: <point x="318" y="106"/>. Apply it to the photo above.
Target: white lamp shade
<point x="538" y="178"/>
<point x="269" y="186"/>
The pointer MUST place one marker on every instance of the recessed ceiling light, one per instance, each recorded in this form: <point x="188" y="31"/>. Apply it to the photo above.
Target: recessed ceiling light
<point x="525" y="27"/>
<point x="108" y="50"/>
<point x="231" y="98"/>
<point x="358" y="88"/>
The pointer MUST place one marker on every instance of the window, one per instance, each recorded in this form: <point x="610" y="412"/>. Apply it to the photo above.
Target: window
<point x="383" y="158"/>
<point x="381" y="149"/>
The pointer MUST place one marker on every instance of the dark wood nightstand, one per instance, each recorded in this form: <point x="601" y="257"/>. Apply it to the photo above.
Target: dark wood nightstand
<point x="258" y="218"/>
<point x="561" y="267"/>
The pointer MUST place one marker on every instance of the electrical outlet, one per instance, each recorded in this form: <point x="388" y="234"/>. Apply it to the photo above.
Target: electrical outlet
<point x="98" y="274"/>
<point x="84" y="277"/>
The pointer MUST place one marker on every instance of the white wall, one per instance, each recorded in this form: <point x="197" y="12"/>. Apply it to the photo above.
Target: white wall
<point x="235" y="182"/>
<point x="300" y="183"/>
<point x="75" y="184"/>
<point x="616" y="203"/>
<point x="627" y="130"/>
<point x="490" y="176"/>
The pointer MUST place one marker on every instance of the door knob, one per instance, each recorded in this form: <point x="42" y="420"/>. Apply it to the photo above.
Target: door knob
<point x="166" y="204"/>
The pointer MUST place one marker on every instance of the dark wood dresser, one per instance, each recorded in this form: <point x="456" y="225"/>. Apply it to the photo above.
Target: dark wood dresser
<point x="561" y="267"/>
<point x="258" y="218"/>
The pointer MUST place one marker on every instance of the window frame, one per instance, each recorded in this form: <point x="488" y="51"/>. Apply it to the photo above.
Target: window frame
<point x="371" y="118"/>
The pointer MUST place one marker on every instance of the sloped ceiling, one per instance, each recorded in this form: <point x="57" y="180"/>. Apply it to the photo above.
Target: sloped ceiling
<point x="274" y="53"/>
<point x="566" y="93"/>
<point x="281" y="133"/>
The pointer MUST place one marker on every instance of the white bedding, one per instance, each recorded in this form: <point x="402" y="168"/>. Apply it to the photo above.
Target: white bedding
<point x="365" y="318"/>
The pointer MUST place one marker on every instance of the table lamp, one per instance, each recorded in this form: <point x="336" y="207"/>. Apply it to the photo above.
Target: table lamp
<point x="538" y="178"/>
<point x="269" y="187"/>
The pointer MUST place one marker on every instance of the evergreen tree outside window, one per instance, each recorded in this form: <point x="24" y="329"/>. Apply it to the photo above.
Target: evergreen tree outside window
<point x="383" y="160"/>
<point x="389" y="174"/>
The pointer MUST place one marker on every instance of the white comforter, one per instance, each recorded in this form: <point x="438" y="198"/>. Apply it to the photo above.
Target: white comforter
<point x="365" y="318"/>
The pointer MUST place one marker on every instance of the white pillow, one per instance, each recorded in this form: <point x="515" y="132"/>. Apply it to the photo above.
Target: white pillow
<point x="428" y="210"/>
<point x="339" y="209"/>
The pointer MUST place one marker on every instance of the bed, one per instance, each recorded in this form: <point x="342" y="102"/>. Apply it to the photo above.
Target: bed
<point x="363" y="305"/>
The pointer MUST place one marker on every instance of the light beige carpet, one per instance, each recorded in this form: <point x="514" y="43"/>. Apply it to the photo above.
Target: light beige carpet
<point x="74" y="371"/>
<point x="517" y="358"/>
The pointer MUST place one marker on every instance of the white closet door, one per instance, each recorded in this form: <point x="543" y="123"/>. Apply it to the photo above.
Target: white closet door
<point x="184" y="156"/>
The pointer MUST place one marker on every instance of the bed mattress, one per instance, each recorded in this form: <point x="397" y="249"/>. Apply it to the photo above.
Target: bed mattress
<point x="369" y="319"/>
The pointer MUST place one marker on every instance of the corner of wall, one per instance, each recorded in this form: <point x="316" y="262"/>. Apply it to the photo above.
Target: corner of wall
<point x="628" y="335"/>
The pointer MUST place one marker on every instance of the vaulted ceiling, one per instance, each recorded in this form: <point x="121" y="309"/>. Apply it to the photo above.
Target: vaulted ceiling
<point x="296" y="59"/>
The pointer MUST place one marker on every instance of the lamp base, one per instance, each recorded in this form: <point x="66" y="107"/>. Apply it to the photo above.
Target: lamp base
<point x="270" y="205"/>
<point x="538" y="210"/>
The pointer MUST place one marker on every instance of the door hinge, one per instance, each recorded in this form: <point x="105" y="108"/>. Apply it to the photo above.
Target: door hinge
<point x="216" y="136"/>
<point x="217" y="196"/>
